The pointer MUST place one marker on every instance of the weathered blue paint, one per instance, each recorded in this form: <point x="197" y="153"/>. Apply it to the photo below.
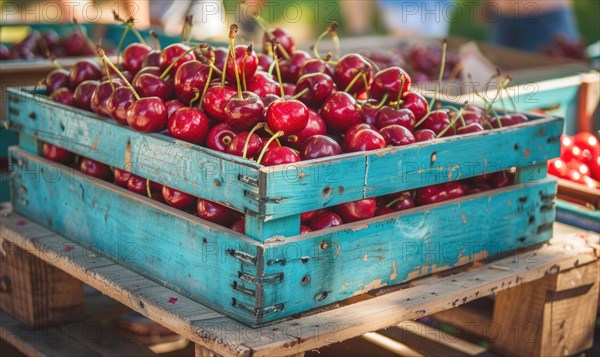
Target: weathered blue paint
<point x="578" y="216"/>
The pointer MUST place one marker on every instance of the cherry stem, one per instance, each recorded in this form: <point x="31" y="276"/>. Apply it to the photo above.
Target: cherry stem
<point x="168" y="69"/>
<point x="354" y="80"/>
<point x="442" y="67"/>
<point x="55" y="63"/>
<point x="246" y="55"/>
<point x="391" y="203"/>
<point x="211" y="69"/>
<point x="298" y="95"/>
<point x="184" y="29"/>
<point x="399" y="98"/>
<point x="270" y="132"/>
<point x="271" y="66"/>
<point x="330" y="30"/>
<point x="423" y="119"/>
<point x="510" y="98"/>
<point x="85" y="36"/>
<point x="189" y="29"/>
<point x="135" y="31"/>
<point x="102" y="55"/>
<point x="274" y="137"/>
<point x="254" y="129"/>
<point x="125" y="31"/>
<point x="459" y="115"/>
<point x="156" y="39"/>
<point x="366" y="83"/>
<point x="196" y="97"/>
<point x="232" y="31"/>
<point x="261" y="23"/>
<point x="112" y="86"/>
<point x="373" y="64"/>
<point x="148" y="190"/>
<point x="382" y="102"/>
<point x="275" y="44"/>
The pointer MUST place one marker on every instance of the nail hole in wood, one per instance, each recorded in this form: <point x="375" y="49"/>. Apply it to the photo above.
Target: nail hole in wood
<point x="217" y="182"/>
<point x="321" y="296"/>
<point x="516" y="147"/>
<point x="340" y="190"/>
<point x="233" y="302"/>
<point x="204" y="240"/>
<point x="327" y="191"/>
<point x="305" y="280"/>
<point x="235" y="284"/>
<point x="324" y="245"/>
<point x="62" y="127"/>
<point x="304" y="260"/>
<point x="433" y="157"/>
<point x="32" y="116"/>
<point x="531" y="219"/>
<point x="141" y="304"/>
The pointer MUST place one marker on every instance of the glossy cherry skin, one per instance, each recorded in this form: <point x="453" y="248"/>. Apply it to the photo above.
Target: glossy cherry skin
<point x="307" y="216"/>
<point x="356" y="210"/>
<point x="589" y="145"/>
<point x="173" y="105"/>
<point x="121" y="177"/>
<point x="57" y="154"/>
<point x="365" y="140"/>
<point x="340" y="111"/>
<point x="171" y="53"/>
<point x="416" y="103"/>
<point x="305" y="229"/>
<point x="82" y="71"/>
<point x="369" y="111"/>
<point x="243" y="114"/>
<point x="95" y="169"/>
<point x="220" y="55"/>
<point x="392" y="116"/>
<point x="319" y="146"/>
<point x="315" y="65"/>
<point x="190" y="75"/>
<point x="388" y="81"/>
<point x="383" y="211"/>
<point x="279" y="155"/>
<point x="75" y="44"/>
<point x="315" y="126"/>
<point x="285" y="40"/>
<point x="148" y="70"/>
<point x="319" y="86"/>
<point x="437" y="121"/>
<point x="133" y="56"/>
<point x="470" y="128"/>
<point x="325" y="219"/>
<point x="289" y="90"/>
<point x="139" y="185"/>
<point x="502" y="121"/>
<point x="518" y="118"/>
<point x="149" y="85"/>
<point x="239" y="226"/>
<point x="101" y="95"/>
<point x="404" y="202"/>
<point x="439" y="193"/>
<point x="178" y="199"/>
<point x="354" y="129"/>
<point x="290" y="69"/>
<point x="347" y="68"/>
<point x="215" y="99"/>
<point x="264" y="61"/>
<point x="251" y="64"/>
<point x="216" y="213"/>
<point x="147" y="115"/>
<point x="57" y="78"/>
<point x="424" y="135"/>
<point x="501" y="179"/>
<point x="219" y="137"/>
<point x="236" y="146"/>
<point x="188" y="124"/>
<point x="152" y="58"/>
<point x="118" y="104"/>
<point x="82" y="96"/>
<point x="63" y="96"/>
<point x="262" y="84"/>
<point x="397" y="135"/>
<point x="288" y="116"/>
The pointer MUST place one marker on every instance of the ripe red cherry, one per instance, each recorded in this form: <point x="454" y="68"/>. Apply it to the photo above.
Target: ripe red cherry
<point x="188" y="124"/>
<point x="364" y="140"/>
<point x="437" y="121"/>
<point x="285" y="40"/>
<point x="424" y="135"/>
<point x="357" y="210"/>
<point x="470" y="128"/>
<point x="133" y="56"/>
<point x="216" y="213"/>
<point x="288" y="116"/>
<point x="63" y="96"/>
<point x="325" y="219"/>
<point x="178" y="199"/>
<point x="239" y="226"/>
<point x="82" y="71"/>
<point x="101" y="95"/>
<point x="118" y="103"/>
<point x="589" y="142"/>
<point x="82" y="96"/>
<point x="190" y="75"/>
<point x="290" y="69"/>
<point x="432" y="194"/>
<point x="397" y="135"/>
<point x="304" y="229"/>
<point x="236" y="146"/>
<point x="340" y="111"/>
<point x="318" y="87"/>
<point x="390" y="116"/>
<point x="369" y="111"/>
<point x="57" y="78"/>
<point x="152" y="59"/>
<point x="307" y="216"/>
<point x="558" y="168"/>
<point x="279" y="155"/>
<point x="262" y="84"/>
<point x="387" y="82"/>
<point x="219" y="137"/>
<point x="121" y="177"/>
<point x="315" y="126"/>
<point x="289" y="90"/>
<point x="382" y="211"/>
<point x="251" y="64"/>
<point x="172" y="52"/>
<point x="147" y="70"/>
<point x="139" y="185"/>
<point x="403" y="202"/>
<point x="215" y="99"/>
<point x="147" y="115"/>
<point x="57" y="154"/>
<point x="220" y="55"/>
<point x="173" y="105"/>
<point x="501" y="179"/>
<point x="416" y="103"/>
<point x="96" y="169"/>
<point x="518" y="118"/>
<point x="347" y="68"/>
<point x="244" y="113"/>
<point x="502" y="121"/>
<point x="315" y="65"/>
<point x="264" y="62"/>
<point x="149" y="85"/>
<point x="319" y="146"/>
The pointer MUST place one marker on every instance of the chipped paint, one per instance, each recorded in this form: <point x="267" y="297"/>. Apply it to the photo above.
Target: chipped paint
<point x="510" y="202"/>
<point x="464" y="218"/>
<point x="366" y="258"/>
<point x="337" y="252"/>
<point x="451" y="171"/>
<point x="375" y="284"/>
<point x="394" y="274"/>
<point x="527" y="152"/>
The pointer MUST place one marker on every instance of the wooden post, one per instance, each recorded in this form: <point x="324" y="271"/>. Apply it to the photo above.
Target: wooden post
<point x="589" y="94"/>
<point x="552" y="316"/>
<point x="37" y="293"/>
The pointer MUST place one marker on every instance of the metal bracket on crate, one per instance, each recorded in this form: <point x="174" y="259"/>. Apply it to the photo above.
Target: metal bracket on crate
<point x="258" y="312"/>
<point x="261" y="281"/>
<point x="242" y="256"/>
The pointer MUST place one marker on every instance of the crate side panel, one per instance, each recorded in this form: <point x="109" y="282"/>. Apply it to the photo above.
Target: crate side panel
<point x="169" y="246"/>
<point x="388" y="251"/>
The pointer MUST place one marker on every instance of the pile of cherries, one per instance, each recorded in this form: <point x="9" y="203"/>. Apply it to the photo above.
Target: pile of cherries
<point x="277" y="107"/>
<point x="47" y="44"/>
<point x="579" y="160"/>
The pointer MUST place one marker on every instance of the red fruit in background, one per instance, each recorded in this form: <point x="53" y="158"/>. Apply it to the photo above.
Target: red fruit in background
<point x="219" y="137"/>
<point x="84" y="70"/>
<point x="290" y="69"/>
<point x="347" y="68"/>
<point x="365" y="140"/>
<point x="315" y="65"/>
<point x="149" y="85"/>
<point x="416" y="103"/>
<point x="190" y="75"/>
<point x="133" y="56"/>
<point x="188" y="124"/>
<point x="264" y="62"/>
<point x="388" y="82"/>
<point x="215" y="212"/>
<point x="171" y="53"/>
<point x="63" y="96"/>
<point x="140" y="185"/>
<point x="383" y="210"/>
<point x="178" y="199"/>
<point x="262" y="84"/>
<point x="82" y="96"/>
<point x="557" y="167"/>
<point x="57" y="154"/>
<point x="318" y="146"/>
<point x="96" y="169"/>
<point x="325" y="219"/>
<point x="57" y="78"/>
<point x="285" y="40"/>
<point x="279" y="155"/>
<point x="455" y="189"/>
<point x="432" y="194"/>
<point x="315" y="126"/>
<point x="392" y="116"/>
<point x="403" y="202"/>
<point x="288" y="116"/>
<point x="397" y="135"/>
<point x="469" y="128"/>
<point x="356" y="210"/>
<point x="147" y="115"/>
<point x="118" y="104"/>
<point x="121" y="177"/>
<point x="101" y="95"/>
<point x="251" y="64"/>
<point x="340" y="111"/>
<point x="595" y="169"/>
<point x="580" y="167"/>
<point x="587" y="141"/>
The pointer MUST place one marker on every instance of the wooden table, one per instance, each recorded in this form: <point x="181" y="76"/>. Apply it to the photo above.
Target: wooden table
<point x="566" y="270"/>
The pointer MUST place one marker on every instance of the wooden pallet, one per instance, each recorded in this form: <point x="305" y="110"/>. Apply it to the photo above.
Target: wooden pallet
<point x="559" y="281"/>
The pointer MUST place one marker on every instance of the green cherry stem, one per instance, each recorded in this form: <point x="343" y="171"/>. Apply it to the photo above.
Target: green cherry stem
<point x="168" y="69"/>
<point x="399" y="98"/>
<point x="354" y="80"/>
<point x="454" y="120"/>
<point x="102" y="55"/>
<point x="156" y="39"/>
<point x="233" y="29"/>
<point x="254" y="129"/>
<point x="298" y="95"/>
<point x="207" y="84"/>
<point x="262" y="153"/>
<point x="259" y="20"/>
<point x="441" y="75"/>
<point x="196" y="97"/>
<point x="275" y="44"/>
<point x="246" y="55"/>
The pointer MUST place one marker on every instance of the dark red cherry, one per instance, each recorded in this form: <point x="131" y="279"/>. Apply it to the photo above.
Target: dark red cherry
<point x="318" y="146"/>
<point x="133" y="56"/>
<point x="307" y="216"/>
<point x="470" y="128"/>
<point x="318" y="87"/>
<point x="290" y="69"/>
<point x="264" y="61"/>
<point x="57" y="154"/>
<point x="502" y="121"/>
<point x="82" y="71"/>
<point x="315" y="126"/>
<point x="382" y="211"/>
<point x="392" y="116"/>
<point x="178" y="199"/>
<point x="403" y="202"/>
<point x="140" y="185"/>
<point x="369" y="111"/>
<point x="279" y="155"/>
<point x="340" y="111"/>
<point x="119" y="102"/>
<point x="432" y="194"/>
<point x="220" y="55"/>
<point x="236" y="146"/>
<point x="325" y="219"/>
<point x="147" y="115"/>
<point x="356" y="210"/>
<point x="437" y="121"/>
<point x="364" y="140"/>
<point x="147" y="70"/>
<point x="416" y="103"/>
<point x="289" y="90"/>
<point x="101" y="95"/>
<point x="262" y="84"/>
<point x="96" y="169"/>
<point x="190" y="76"/>
<point x="347" y="68"/>
<point x="518" y="118"/>
<point x="152" y="59"/>
<point x="239" y="226"/>
<point x="216" y="213"/>
<point x="82" y="96"/>
<point x="397" y="135"/>
<point x="288" y="116"/>
<point x="304" y="229"/>
<point x="501" y="179"/>
<point x="172" y="106"/>
<point x="63" y="96"/>
<point x="354" y="129"/>
<point x="424" y="135"/>
<point x="251" y="64"/>
<point x="215" y="99"/>
<point x="285" y="40"/>
<point x="455" y="189"/>
<point x="149" y="85"/>
<point x="171" y="53"/>
<point x="387" y="82"/>
<point x="188" y="124"/>
<point x="219" y="137"/>
<point x="244" y="113"/>
<point x="315" y="65"/>
<point x="57" y="78"/>
<point x="121" y="177"/>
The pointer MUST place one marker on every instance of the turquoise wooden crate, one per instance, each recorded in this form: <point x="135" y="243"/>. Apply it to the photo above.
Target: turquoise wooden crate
<point x="578" y="216"/>
<point x="273" y="272"/>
